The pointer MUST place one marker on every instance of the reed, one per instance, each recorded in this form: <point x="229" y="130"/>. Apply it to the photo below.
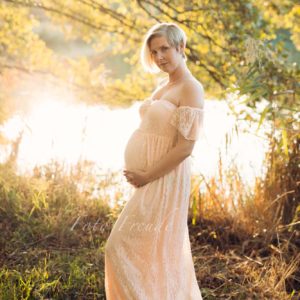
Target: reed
<point x="55" y="223"/>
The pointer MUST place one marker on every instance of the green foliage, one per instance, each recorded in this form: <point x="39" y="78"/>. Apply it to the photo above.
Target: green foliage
<point x="53" y="246"/>
<point x="216" y="34"/>
<point x="269" y="86"/>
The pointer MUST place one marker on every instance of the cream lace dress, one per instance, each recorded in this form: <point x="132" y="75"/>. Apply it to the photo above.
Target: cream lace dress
<point x="148" y="253"/>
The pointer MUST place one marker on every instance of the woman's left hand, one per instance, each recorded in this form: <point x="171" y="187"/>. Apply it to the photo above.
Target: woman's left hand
<point x="137" y="178"/>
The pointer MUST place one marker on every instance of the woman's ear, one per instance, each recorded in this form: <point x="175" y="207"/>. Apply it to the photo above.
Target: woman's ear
<point x="181" y="49"/>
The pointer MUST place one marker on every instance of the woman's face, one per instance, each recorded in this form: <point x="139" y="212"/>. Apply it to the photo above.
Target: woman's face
<point x="166" y="57"/>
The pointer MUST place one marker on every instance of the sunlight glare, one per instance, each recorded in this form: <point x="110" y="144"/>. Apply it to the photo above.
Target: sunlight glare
<point x="66" y="132"/>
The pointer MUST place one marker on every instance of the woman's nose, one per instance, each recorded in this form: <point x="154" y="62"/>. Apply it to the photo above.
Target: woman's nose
<point x="160" y="56"/>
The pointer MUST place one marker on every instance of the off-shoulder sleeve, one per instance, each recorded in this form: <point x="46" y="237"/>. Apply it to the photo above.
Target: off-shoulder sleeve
<point x="188" y="121"/>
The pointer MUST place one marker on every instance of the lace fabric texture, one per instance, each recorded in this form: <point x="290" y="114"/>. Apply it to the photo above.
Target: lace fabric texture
<point x="148" y="254"/>
<point x="189" y="121"/>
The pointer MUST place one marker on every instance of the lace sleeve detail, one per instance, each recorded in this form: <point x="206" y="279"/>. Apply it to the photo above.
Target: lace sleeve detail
<point x="188" y="121"/>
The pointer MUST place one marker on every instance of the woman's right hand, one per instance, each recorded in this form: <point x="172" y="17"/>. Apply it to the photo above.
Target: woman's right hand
<point x="137" y="178"/>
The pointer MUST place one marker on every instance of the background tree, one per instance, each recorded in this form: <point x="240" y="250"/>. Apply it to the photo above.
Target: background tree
<point x="216" y="33"/>
<point x="248" y="47"/>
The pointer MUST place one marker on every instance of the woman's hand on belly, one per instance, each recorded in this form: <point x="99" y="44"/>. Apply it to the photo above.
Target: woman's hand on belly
<point x="137" y="178"/>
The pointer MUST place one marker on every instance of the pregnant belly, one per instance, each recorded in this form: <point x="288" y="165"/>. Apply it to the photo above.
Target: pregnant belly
<point x="135" y="152"/>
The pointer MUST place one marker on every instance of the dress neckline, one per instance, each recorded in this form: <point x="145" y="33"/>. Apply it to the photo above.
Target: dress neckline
<point x="164" y="100"/>
<point x="171" y="103"/>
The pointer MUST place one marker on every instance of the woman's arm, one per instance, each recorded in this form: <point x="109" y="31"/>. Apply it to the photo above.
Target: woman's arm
<point x="169" y="161"/>
<point x="194" y="97"/>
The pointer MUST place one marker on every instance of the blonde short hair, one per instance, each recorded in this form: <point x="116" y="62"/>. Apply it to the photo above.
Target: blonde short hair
<point x="174" y="35"/>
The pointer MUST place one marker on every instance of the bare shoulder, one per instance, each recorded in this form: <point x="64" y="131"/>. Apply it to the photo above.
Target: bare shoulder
<point x="192" y="94"/>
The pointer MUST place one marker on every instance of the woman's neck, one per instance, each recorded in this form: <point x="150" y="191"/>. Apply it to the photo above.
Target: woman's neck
<point x="180" y="73"/>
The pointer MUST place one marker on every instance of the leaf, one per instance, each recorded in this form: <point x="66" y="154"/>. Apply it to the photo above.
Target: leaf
<point x="285" y="142"/>
<point x="263" y="115"/>
<point x="251" y="72"/>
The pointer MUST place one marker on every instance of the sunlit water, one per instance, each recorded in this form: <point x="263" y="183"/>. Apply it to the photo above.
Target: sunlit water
<point x="67" y="131"/>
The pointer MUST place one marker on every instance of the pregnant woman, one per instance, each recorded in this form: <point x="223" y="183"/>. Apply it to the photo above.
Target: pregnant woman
<point x="148" y="253"/>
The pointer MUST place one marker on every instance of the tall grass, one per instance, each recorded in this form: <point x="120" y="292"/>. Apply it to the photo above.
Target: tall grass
<point x="248" y="250"/>
<point x="54" y="232"/>
<point x="55" y="223"/>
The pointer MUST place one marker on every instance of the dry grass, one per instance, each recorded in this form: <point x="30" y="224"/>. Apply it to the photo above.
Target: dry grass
<point x="241" y="248"/>
<point x="240" y="252"/>
<point x="232" y="265"/>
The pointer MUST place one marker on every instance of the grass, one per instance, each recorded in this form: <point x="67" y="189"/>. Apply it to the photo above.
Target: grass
<point x="54" y="232"/>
